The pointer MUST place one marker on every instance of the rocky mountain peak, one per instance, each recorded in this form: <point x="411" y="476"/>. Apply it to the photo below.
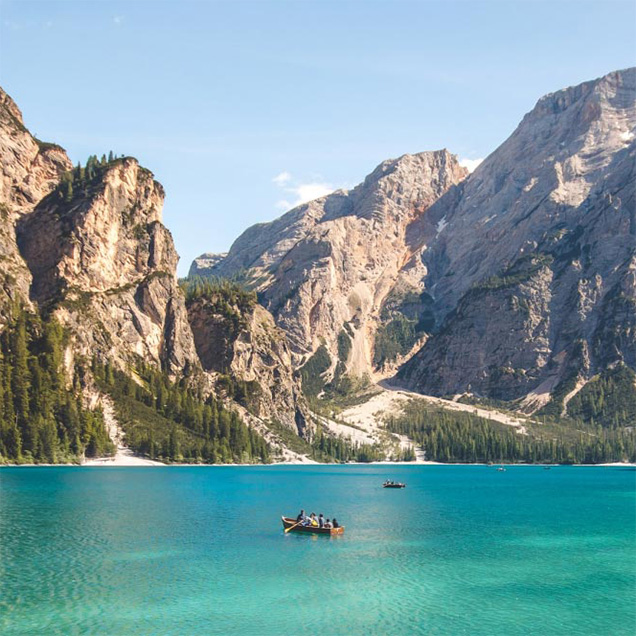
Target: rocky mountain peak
<point x="401" y="189"/>
<point x="92" y="250"/>
<point x="29" y="168"/>
<point x="326" y="267"/>
<point x="205" y="264"/>
<point x="99" y="235"/>
<point x="501" y="282"/>
<point x="568" y="134"/>
<point x="539" y="236"/>
<point x="9" y="111"/>
<point x="611" y="92"/>
<point x="425" y="166"/>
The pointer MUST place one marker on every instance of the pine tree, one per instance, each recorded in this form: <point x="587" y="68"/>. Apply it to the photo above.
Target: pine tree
<point x="39" y="420"/>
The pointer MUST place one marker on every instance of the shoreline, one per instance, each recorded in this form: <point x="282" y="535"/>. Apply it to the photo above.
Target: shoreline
<point x="149" y="463"/>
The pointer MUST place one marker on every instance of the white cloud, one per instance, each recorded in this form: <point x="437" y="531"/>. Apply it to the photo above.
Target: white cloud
<point x="302" y="192"/>
<point x="470" y="164"/>
<point x="310" y="191"/>
<point x="118" y="19"/>
<point x="282" y="178"/>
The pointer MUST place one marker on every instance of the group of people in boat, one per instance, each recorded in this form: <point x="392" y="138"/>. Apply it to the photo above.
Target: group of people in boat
<point x="317" y="522"/>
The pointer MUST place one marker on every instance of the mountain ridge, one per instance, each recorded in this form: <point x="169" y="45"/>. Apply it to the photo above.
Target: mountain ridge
<point x="556" y="208"/>
<point x="529" y="229"/>
<point x="513" y="286"/>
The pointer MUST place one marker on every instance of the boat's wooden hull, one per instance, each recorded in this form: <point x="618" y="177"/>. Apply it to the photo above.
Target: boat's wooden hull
<point x="393" y="485"/>
<point x="288" y="522"/>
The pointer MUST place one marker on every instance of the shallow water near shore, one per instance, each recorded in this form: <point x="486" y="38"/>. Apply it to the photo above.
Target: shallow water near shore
<point x="191" y="550"/>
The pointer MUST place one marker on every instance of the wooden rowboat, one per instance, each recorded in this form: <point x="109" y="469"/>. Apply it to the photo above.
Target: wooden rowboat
<point x="288" y="522"/>
<point x="393" y="485"/>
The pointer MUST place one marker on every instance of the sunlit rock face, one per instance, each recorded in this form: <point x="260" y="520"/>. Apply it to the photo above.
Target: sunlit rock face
<point x="325" y="268"/>
<point x="509" y="281"/>
<point x="532" y="272"/>
<point x="29" y="170"/>
<point x="98" y="257"/>
<point x="107" y="265"/>
<point x="205" y="264"/>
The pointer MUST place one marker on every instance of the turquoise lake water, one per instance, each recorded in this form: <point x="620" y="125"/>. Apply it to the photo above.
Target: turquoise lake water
<point x="461" y="550"/>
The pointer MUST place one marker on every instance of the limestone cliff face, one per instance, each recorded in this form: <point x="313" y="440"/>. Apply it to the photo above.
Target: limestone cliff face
<point x="325" y="268"/>
<point x="205" y="264"/>
<point x="512" y="282"/>
<point x="29" y="170"/>
<point x="99" y="258"/>
<point x="531" y="273"/>
<point x="241" y="340"/>
<point x="106" y="264"/>
<point x="88" y="245"/>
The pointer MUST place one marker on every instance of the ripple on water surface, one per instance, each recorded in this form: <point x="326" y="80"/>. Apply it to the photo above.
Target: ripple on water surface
<point x="461" y="550"/>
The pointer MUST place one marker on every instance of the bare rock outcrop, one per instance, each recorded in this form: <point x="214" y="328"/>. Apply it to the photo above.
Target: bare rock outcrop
<point x="104" y="262"/>
<point x="205" y="264"/>
<point x="29" y="170"/>
<point x="239" y="339"/>
<point x="325" y="269"/>
<point x="531" y="272"/>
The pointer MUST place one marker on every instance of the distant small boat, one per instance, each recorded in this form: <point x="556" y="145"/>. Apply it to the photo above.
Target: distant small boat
<point x="501" y="469"/>
<point x="291" y="524"/>
<point x="547" y="467"/>
<point x="393" y="484"/>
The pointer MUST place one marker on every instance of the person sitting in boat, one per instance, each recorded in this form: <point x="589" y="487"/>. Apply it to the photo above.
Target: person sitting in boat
<point x="301" y="517"/>
<point x="328" y="524"/>
<point x="321" y="521"/>
<point x="312" y="520"/>
<point x="335" y="523"/>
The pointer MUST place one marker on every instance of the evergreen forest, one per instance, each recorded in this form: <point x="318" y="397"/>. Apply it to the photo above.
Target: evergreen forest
<point x="462" y="437"/>
<point x="42" y="417"/>
<point x="171" y="421"/>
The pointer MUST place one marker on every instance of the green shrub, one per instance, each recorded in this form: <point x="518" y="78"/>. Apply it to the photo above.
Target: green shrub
<point x="344" y="346"/>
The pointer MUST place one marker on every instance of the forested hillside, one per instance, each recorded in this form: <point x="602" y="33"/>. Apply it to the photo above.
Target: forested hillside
<point x="463" y="437"/>
<point x="512" y="286"/>
<point x="174" y="422"/>
<point x="42" y="417"/>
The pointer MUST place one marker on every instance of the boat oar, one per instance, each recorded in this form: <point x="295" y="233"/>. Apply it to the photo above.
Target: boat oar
<point x="292" y="527"/>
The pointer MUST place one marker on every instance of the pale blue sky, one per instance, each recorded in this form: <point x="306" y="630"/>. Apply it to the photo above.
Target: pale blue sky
<point x="220" y="98"/>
